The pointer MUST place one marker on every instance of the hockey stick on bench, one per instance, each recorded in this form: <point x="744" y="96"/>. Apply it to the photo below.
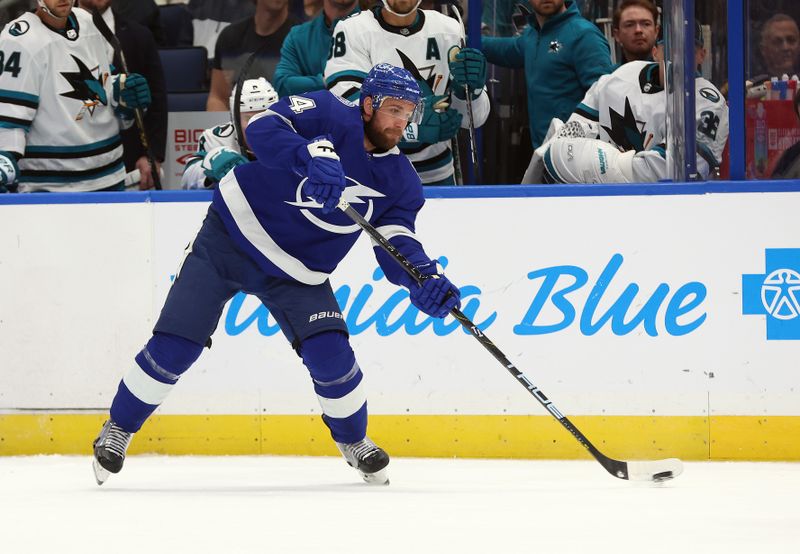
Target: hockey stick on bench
<point x="655" y="470"/>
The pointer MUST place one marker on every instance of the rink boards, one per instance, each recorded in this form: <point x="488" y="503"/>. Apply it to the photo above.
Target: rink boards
<point x="660" y="324"/>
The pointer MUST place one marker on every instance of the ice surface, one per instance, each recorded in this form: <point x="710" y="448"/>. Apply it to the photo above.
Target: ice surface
<point x="164" y="504"/>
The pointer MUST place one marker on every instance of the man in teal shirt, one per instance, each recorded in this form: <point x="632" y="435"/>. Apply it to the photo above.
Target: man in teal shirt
<point x="562" y="53"/>
<point x="305" y="50"/>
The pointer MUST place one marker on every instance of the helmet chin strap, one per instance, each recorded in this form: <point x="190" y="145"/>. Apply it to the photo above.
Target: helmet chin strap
<point x="51" y="14"/>
<point x="391" y="11"/>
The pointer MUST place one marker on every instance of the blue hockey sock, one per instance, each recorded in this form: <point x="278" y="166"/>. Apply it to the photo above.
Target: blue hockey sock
<point x="338" y="384"/>
<point x="158" y="367"/>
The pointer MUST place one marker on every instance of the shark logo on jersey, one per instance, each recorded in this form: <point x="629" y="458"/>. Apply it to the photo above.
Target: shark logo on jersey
<point x="555" y="47"/>
<point x="431" y="81"/>
<point x="85" y="87"/>
<point x="625" y="130"/>
<point x="353" y="194"/>
<point x="19" y="28"/>
<point x="224" y="130"/>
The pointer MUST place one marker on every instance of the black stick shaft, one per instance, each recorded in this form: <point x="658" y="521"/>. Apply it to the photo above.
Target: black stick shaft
<point x="114" y="41"/>
<point x="615" y="467"/>
<point x="468" y="95"/>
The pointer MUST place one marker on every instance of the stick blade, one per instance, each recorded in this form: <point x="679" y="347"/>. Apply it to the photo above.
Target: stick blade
<point x="655" y="470"/>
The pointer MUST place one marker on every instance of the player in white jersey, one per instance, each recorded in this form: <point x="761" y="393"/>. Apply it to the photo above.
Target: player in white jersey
<point x="60" y="107"/>
<point x="220" y="150"/>
<point x="420" y="41"/>
<point x="618" y="132"/>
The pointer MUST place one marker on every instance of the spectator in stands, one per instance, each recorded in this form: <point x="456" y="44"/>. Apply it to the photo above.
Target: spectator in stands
<point x="780" y="45"/>
<point x="12" y="9"/>
<point x="788" y="166"/>
<point x="635" y="28"/>
<point x="210" y="17"/>
<point x="563" y="55"/>
<point x="144" y="12"/>
<point x="306" y="48"/>
<point x="262" y="34"/>
<point x="141" y="55"/>
<point x="311" y="8"/>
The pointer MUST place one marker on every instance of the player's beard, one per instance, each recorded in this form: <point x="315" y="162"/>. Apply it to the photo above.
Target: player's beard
<point x="382" y="139"/>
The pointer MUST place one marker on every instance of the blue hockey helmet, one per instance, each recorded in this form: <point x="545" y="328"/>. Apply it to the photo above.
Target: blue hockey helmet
<point x="389" y="81"/>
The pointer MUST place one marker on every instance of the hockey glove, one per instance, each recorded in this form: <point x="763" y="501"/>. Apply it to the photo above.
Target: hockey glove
<point x="131" y="91"/>
<point x="436" y="296"/>
<point x="8" y="172"/>
<point x="325" y="181"/>
<point x="219" y="161"/>
<point x="467" y="68"/>
<point x="439" y="122"/>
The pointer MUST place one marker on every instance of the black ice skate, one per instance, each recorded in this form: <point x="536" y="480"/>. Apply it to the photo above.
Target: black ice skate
<point x="109" y="451"/>
<point x="368" y="459"/>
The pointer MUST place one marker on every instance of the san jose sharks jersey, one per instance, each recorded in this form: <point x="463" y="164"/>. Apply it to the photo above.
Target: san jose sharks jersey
<point x="628" y="108"/>
<point x="365" y="39"/>
<point x="266" y="212"/>
<point x="56" y="107"/>
<point x="224" y="136"/>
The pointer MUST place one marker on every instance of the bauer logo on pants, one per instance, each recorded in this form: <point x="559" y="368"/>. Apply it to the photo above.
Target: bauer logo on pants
<point x="776" y="293"/>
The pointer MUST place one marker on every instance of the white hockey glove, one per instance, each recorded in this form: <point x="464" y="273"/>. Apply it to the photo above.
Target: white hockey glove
<point x="9" y="172"/>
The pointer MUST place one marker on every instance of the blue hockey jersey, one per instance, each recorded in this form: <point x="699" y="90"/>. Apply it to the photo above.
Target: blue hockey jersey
<point x="264" y="208"/>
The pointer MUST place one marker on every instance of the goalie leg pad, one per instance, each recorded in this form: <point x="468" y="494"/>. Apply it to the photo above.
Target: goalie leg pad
<point x="158" y="367"/>
<point x="584" y="160"/>
<point x="338" y="383"/>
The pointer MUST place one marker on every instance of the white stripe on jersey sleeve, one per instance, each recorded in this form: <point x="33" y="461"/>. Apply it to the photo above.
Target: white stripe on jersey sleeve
<point x="251" y="228"/>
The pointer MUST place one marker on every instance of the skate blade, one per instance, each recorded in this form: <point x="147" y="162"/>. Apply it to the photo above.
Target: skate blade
<point x="101" y="474"/>
<point x="380" y="477"/>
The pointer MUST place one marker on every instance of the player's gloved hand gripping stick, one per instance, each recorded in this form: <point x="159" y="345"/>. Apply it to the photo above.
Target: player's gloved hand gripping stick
<point x="325" y="180"/>
<point x="655" y="470"/>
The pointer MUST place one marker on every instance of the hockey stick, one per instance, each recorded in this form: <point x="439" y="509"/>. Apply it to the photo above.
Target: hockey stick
<point x="457" y="173"/>
<point x="655" y="470"/>
<point x="97" y="19"/>
<point x="468" y="93"/>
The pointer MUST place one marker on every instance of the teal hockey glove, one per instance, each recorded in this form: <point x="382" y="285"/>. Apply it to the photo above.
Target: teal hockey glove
<point x="219" y="161"/>
<point x="131" y="91"/>
<point x="467" y="68"/>
<point x="439" y="122"/>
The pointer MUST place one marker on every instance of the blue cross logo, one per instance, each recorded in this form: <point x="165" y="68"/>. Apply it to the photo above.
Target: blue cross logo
<point x="776" y="293"/>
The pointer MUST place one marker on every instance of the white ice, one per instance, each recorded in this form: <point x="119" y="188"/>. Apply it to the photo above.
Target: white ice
<point x="175" y="505"/>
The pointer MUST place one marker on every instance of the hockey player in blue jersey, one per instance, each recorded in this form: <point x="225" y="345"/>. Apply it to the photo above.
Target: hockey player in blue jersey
<point x="273" y="231"/>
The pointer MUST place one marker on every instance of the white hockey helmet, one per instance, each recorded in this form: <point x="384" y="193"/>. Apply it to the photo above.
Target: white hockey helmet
<point x="257" y="96"/>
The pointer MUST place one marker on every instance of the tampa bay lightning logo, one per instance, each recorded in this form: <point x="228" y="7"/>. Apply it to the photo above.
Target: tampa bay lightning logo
<point x="355" y="193"/>
<point x="19" y="28"/>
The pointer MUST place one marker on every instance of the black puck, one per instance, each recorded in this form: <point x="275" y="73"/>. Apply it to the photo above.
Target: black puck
<point x="663" y="476"/>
